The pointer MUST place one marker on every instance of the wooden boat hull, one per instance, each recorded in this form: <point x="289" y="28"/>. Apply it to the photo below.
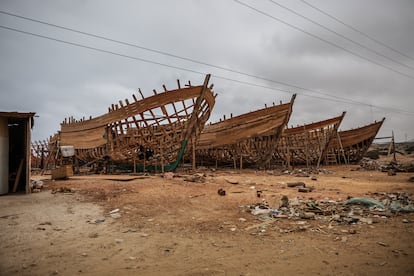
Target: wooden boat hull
<point x="350" y="146"/>
<point x="307" y="144"/>
<point x="151" y="132"/>
<point x="249" y="137"/>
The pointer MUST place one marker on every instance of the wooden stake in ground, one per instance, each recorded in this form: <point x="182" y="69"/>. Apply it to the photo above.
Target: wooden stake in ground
<point x="18" y="175"/>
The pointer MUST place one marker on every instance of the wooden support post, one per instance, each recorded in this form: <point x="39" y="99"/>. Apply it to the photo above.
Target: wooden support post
<point x="194" y="154"/>
<point x="306" y="147"/>
<point x="341" y="149"/>
<point x="162" y="159"/>
<point x="289" y="167"/>
<point x="135" y="165"/>
<point x="42" y="157"/>
<point x="18" y="175"/>
<point x="241" y="162"/>
<point x="394" y="158"/>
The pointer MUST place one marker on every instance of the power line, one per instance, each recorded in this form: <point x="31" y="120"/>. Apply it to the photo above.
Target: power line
<point x="357" y="30"/>
<point x="99" y="50"/>
<point x="193" y="71"/>
<point x="341" y="35"/>
<point x="340" y="99"/>
<point x="175" y="56"/>
<point x="322" y="39"/>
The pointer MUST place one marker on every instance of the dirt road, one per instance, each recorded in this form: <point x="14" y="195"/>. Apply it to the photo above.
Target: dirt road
<point x="176" y="227"/>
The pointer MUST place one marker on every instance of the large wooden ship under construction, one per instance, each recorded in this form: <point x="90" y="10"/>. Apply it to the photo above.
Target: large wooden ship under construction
<point x="151" y="133"/>
<point x="307" y="144"/>
<point x="249" y="138"/>
<point x="157" y="132"/>
<point x="350" y="146"/>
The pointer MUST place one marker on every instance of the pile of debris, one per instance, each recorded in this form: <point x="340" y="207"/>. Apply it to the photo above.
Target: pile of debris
<point x="367" y="164"/>
<point x="36" y="186"/>
<point x="351" y="211"/>
<point x="302" y="172"/>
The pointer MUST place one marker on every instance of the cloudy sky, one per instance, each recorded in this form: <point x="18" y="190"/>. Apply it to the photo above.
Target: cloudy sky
<point x="258" y="52"/>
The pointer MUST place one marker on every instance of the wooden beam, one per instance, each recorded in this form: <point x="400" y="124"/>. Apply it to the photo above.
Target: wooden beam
<point x="18" y="175"/>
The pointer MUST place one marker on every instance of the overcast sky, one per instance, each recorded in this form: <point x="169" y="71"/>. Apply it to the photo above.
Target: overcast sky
<point x="326" y="70"/>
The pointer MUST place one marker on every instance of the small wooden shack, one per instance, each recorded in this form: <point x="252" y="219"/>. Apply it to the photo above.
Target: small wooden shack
<point x="15" y="137"/>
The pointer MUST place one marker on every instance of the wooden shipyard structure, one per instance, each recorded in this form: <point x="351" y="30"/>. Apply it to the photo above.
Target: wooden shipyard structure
<point x="251" y="137"/>
<point x="307" y="144"/>
<point x="350" y="146"/>
<point x="149" y="132"/>
<point x="169" y="128"/>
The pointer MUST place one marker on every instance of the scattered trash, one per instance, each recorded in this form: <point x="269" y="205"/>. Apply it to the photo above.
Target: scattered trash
<point x="98" y="220"/>
<point x="169" y="175"/>
<point x="62" y="190"/>
<point x="221" y="192"/>
<point x="114" y="211"/>
<point x="365" y="201"/>
<point x="194" y="196"/>
<point x="115" y="215"/>
<point x="296" y="184"/>
<point x="259" y="193"/>
<point x="383" y="244"/>
<point x="294" y="201"/>
<point x="353" y="211"/>
<point x="367" y="164"/>
<point x="398" y="206"/>
<point x="366" y="220"/>
<point x="232" y="181"/>
<point x="305" y="189"/>
<point x="260" y="210"/>
<point x="198" y="177"/>
<point x="284" y="201"/>
<point x="307" y="215"/>
<point x="36" y="186"/>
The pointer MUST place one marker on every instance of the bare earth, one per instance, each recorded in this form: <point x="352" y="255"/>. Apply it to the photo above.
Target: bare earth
<point x="176" y="227"/>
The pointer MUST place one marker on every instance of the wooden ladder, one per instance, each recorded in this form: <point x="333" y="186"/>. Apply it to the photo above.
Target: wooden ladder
<point x="331" y="159"/>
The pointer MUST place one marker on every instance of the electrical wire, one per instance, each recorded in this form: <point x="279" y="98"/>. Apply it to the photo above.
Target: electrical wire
<point x="175" y="56"/>
<point x="322" y="39"/>
<point x="341" y="35"/>
<point x="191" y="70"/>
<point x="357" y="30"/>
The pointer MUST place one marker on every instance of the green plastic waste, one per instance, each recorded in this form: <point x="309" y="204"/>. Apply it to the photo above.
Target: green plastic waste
<point x="365" y="201"/>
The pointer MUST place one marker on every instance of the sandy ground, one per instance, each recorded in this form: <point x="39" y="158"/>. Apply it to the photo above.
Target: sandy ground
<point x="176" y="227"/>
